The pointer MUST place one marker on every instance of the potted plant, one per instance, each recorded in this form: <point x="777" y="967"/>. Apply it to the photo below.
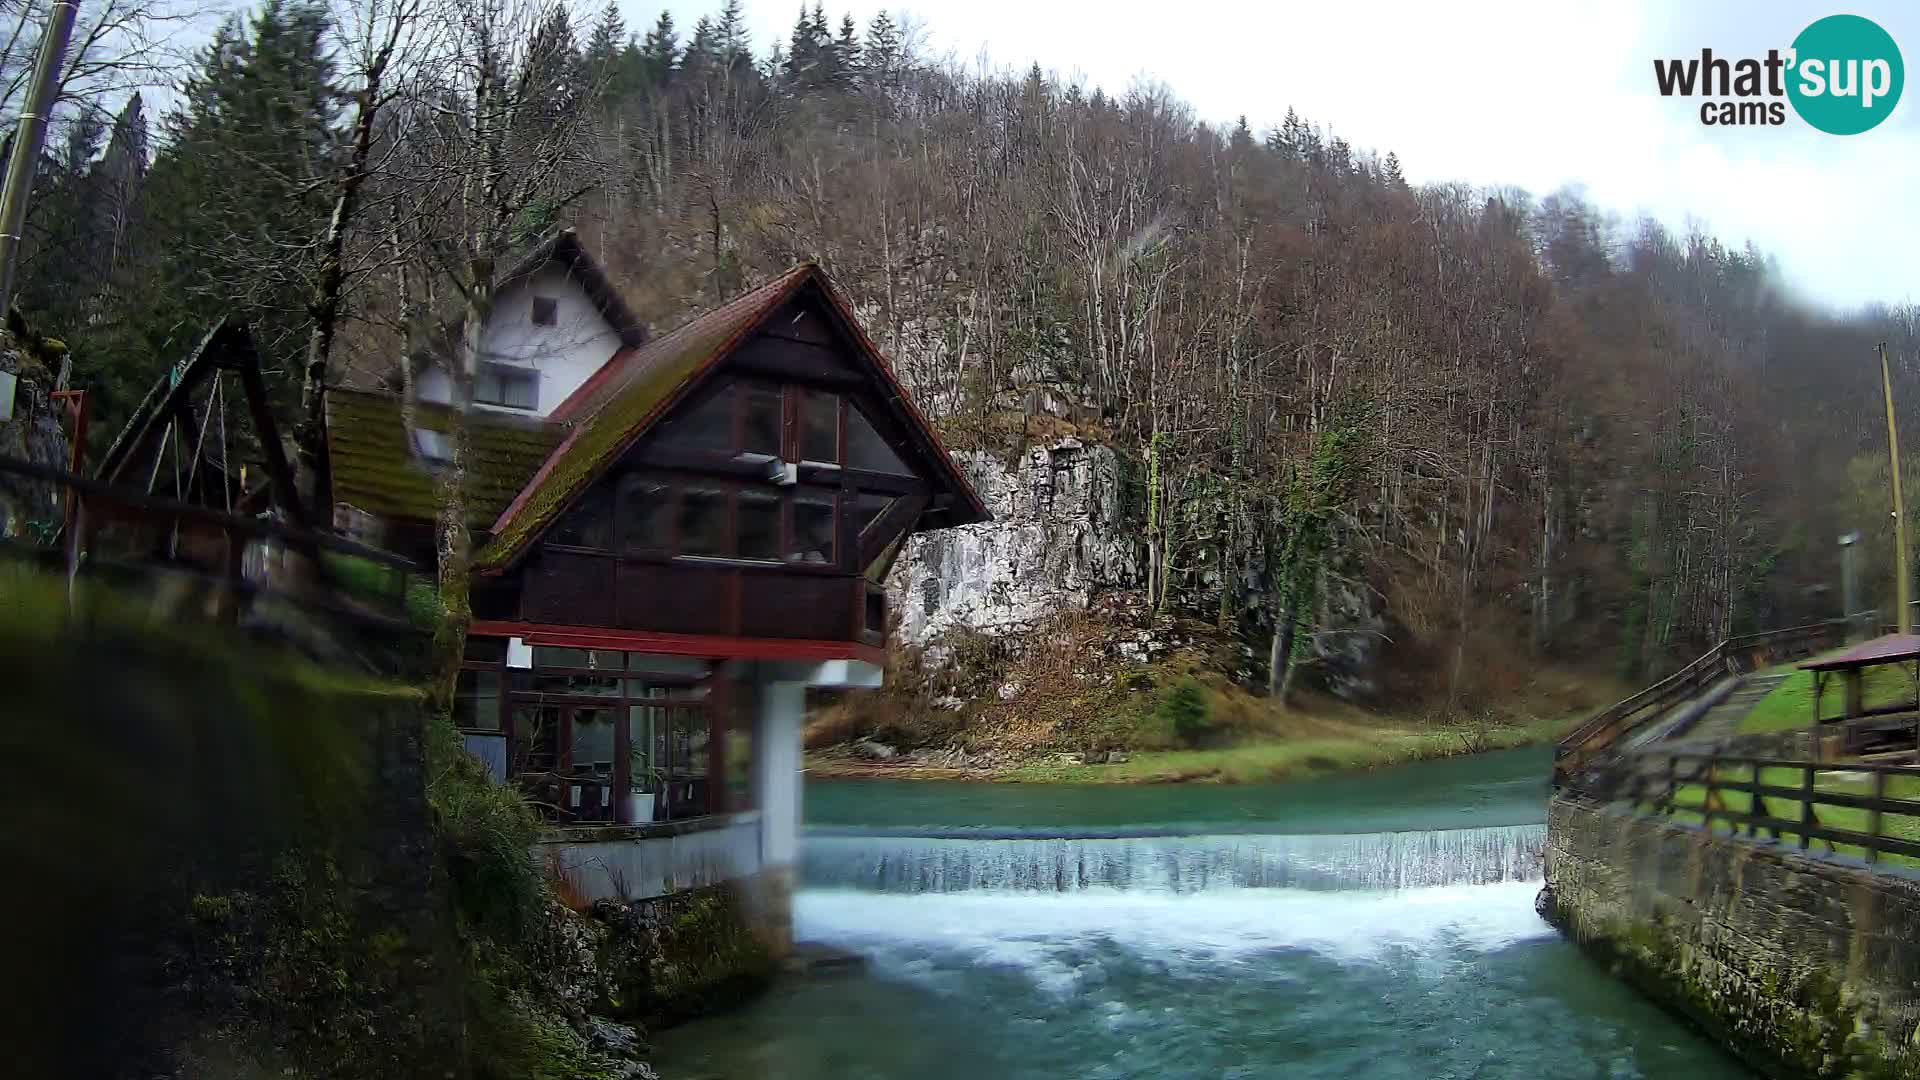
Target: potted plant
<point x="645" y="781"/>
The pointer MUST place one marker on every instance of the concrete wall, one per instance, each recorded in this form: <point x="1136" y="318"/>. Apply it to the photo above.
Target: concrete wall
<point x="639" y="862"/>
<point x="578" y="344"/>
<point x="1807" y="966"/>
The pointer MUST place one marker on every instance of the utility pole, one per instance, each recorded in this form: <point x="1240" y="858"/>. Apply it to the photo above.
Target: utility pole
<point x="1904" y="585"/>
<point x="28" y="137"/>
<point x="1849" y="600"/>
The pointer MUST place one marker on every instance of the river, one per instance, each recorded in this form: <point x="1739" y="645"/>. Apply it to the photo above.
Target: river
<point x="1366" y="925"/>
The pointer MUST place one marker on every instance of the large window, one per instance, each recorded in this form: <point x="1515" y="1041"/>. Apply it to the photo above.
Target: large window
<point x="510" y="387"/>
<point x="598" y="735"/>
<point x="749" y="417"/>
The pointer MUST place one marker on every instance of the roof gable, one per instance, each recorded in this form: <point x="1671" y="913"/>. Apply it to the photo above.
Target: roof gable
<point x="616" y="407"/>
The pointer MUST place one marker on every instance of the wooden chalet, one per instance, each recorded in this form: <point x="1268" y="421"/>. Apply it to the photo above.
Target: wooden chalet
<point x="671" y="555"/>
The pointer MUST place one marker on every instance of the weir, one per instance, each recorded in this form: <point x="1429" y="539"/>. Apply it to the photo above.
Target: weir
<point x="1174" y="864"/>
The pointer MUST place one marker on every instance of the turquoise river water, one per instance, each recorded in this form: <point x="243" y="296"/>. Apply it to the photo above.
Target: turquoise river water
<point x="1368" y="925"/>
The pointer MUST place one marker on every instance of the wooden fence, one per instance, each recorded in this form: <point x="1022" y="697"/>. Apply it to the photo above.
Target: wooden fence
<point x="1852" y="805"/>
<point x="132" y="538"/>
<point x="1606" y="728"/>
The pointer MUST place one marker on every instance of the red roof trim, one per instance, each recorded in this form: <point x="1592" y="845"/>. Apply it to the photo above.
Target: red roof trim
<point x="709" y="645"/>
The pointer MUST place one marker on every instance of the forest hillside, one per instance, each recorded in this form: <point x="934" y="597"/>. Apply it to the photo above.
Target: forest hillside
<point x="1521" y="431"/>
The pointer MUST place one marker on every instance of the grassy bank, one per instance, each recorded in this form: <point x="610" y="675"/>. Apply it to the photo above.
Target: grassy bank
<point x="1290" y="758"/>
<point x="1265" y="742"/>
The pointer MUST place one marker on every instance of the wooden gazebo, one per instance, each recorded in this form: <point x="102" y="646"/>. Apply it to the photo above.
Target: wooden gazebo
<point x="1863" y="729"/>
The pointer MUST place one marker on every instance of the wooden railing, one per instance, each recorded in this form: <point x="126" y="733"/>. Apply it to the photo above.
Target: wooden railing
<point x="1606" y="728"/>
<point x="1852" y="805"/>
<point x="168" y="540"/>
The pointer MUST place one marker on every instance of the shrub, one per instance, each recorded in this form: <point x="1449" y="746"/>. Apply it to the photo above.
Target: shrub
<point x="1185" y="712"/>
<point x="486" y="831"/>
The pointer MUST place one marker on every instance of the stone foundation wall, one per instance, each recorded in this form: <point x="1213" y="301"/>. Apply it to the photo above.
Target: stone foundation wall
<point x="1804" y="965"/>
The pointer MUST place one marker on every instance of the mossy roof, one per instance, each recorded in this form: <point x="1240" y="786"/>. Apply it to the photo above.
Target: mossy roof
<point x="625" y="398"/>
<point x="375" y="467"/>
<point x="620" y="402"/>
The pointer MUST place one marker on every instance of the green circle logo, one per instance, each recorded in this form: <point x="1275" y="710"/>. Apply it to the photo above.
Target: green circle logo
<point x="1846" y="75"/>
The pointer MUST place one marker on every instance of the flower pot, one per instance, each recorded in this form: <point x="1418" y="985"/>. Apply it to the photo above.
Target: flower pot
<point x="639" y="807"/>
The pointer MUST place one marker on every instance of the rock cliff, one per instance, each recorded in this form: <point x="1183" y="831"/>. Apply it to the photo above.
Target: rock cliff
<point x="1060" y="538"/>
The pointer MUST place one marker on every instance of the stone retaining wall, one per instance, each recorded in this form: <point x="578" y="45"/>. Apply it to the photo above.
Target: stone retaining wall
<point x="1804" y="965"/>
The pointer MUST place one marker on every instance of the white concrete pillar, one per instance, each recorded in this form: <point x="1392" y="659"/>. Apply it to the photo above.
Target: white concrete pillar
<point x="783" y="712"/>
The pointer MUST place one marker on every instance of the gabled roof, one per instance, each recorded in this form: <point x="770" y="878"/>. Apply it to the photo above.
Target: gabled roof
<point x="376" y="470"/>
<point x="620" y="402"/>
<point x="564" y="247"/>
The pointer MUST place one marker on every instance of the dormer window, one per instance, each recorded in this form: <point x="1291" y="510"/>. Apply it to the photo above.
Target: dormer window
<point x="507" y="387"/>
<point x="546" y="311"/>
<point x="434" y="447"/>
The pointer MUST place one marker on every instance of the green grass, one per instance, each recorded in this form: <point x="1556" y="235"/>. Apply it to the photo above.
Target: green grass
<point x="1690" y="801"/>
<point x="1279" y="759"/>
<point x="1790" y="706"/>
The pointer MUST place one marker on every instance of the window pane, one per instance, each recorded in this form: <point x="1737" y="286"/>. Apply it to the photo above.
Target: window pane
<point x="820" y="426"/>
<point x="867" y="450"/>
<point x="866" y="507"/>
<point x="706" y="425"/>
<point x="762" y="432"/>
<point x="546" y="310"/>
<point x="552" y="656"/>
<point x="666" y="664"/>
<point x="588" y="524"/>
<point x="813" y="528"/>
<point x="579" y="685"/>
<point x="703" y="521"/>
<point x="486" y="387"/>
<point x="593" y="741"/>
<point x="646" y="514"/>
<point x="643" y="724"/>
<point x="549" y="656"/>
<point x="520" y="390"/>
<point x="759" y="524"/>
<point x="476" y="701"/>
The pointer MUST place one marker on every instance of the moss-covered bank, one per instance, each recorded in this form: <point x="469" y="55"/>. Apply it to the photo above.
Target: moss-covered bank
<point x="1804" y="966"/>
<point x="226" y="862"/>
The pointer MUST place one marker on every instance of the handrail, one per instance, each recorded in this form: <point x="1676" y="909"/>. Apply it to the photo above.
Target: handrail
<point x="1655" y="779"/>
<point x="1613" y="723"/>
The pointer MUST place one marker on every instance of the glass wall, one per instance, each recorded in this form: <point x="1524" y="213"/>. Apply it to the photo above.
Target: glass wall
<point x="598" y="735"/>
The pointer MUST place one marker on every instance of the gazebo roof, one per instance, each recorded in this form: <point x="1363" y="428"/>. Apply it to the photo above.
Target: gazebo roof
<point x="1886" y="649"/>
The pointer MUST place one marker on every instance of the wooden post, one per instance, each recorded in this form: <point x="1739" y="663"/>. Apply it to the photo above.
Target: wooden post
<point x="1813" y="746"/>
<point x="1873" y="815"/>
<point x="1806" y="805"/>
<point x="1903" y="581"/>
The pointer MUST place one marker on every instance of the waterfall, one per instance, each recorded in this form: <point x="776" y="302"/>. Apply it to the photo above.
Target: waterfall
<point x="1174" y="864"/>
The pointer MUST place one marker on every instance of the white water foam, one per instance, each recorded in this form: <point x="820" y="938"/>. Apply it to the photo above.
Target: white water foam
<point x="1177" y="864"/>
<point x="1049" y="934"/>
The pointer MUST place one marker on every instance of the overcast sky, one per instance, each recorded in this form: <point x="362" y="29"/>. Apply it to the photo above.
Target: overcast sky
<point x="1533" y="94"/>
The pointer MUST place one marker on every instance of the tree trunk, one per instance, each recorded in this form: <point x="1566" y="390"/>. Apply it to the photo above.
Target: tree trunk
<point x="328" y="298"/>
<point x="456" y="544"/>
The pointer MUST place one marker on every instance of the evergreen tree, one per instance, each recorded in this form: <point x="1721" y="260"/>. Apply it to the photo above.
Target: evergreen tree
<point x="660" y="51"/>
<point x="1294" y="136"/>
<point x="241" y="183"/>
<point x="1390" y="171"/>
<point x="881" y="57"/>
<point x="604" y="52"/>
<point x="846" y="54"/>
<point x="1242" y="139"/>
